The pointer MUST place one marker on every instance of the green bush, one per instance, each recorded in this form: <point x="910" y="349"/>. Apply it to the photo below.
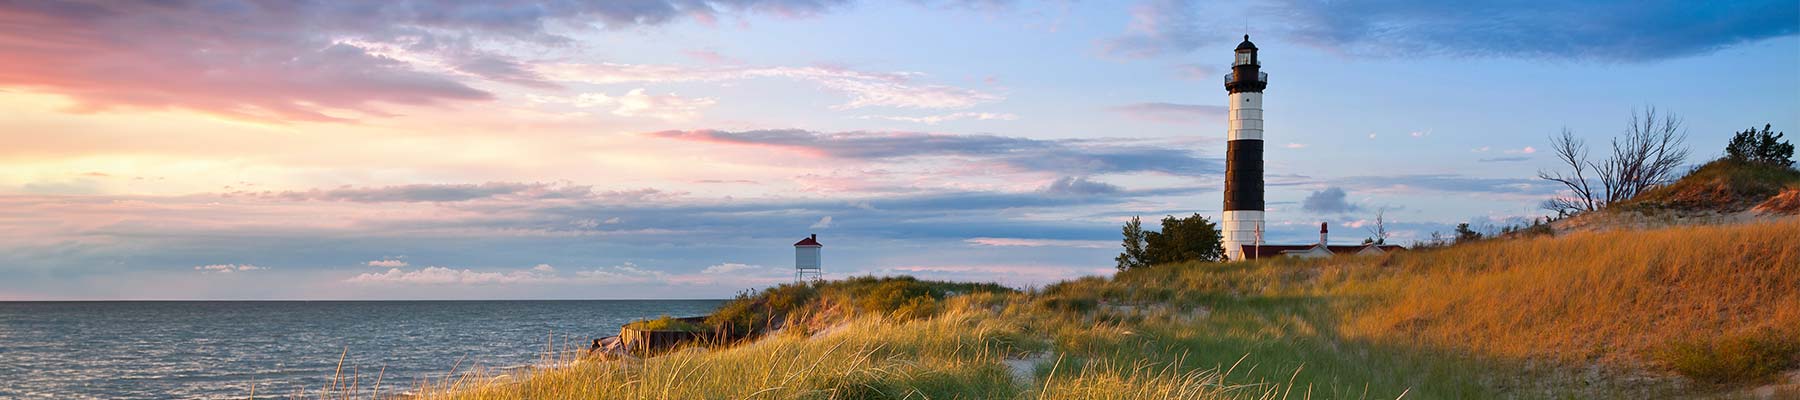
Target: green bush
<point x="666" y="323"/>
<point x="1181" y="239"/>
<point x="1765" y="147"/>
<point x="1741" y="358"/>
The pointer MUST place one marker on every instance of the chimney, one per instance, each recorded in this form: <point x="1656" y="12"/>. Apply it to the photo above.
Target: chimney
<point x="1324" y="240"/>
<point x="815" y="236"/>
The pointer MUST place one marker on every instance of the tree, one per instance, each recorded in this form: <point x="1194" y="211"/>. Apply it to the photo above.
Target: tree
<point x="1572" y="152"/>
<point x="1379" y="233"/>
<point x="1134" y="255"/>
<point x="1765" y="147"/>
<point x="1646" y="155"/>
<point x="1181" y="239"/>
<point x="1185" y="239"/>
<point x="1465" y="235"/>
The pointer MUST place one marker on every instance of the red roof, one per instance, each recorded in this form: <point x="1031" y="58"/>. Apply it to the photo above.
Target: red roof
<point x="1275" y="250"/>
<point x="809" y="241"/>
<point x="1272" y="250"/>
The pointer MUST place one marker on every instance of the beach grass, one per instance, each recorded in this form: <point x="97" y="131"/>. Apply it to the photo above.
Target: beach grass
<point x="1680" y="311"/>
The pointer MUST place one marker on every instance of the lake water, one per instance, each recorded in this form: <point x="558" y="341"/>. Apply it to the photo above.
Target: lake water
<point x="218" y="349"/>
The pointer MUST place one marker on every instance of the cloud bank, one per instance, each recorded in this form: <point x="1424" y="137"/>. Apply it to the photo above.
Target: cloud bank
<point x="1607" y="31"/>
<point x="1074" y="157"/>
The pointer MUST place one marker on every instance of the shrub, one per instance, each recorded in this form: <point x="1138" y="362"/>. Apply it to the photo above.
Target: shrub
<point x="666" y="323"/>
<point x="1465" y="235"/>
<point x="1741" y="358"/>
<point x="1765" y="147"/>
<point x="1181" y="239"/>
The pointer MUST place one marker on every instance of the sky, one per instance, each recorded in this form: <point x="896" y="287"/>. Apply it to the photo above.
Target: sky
<point x="342" y="149"/>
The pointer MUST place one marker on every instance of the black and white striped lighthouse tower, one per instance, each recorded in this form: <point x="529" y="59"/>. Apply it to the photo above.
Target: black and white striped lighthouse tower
<point x="1244" y="152"/>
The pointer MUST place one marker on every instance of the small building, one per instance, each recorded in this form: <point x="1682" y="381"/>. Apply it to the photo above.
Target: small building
<point x="807" y="264"/>
<point x="1316" y="250"/>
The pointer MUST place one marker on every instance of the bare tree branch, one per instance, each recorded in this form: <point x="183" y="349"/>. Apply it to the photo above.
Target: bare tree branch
<point x="1379" y="233"/>
<point x="1648" y="154"/>
<point x="1572" y="152"/>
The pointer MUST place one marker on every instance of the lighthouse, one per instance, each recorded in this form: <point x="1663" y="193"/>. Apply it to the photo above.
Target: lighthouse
<point x="1243" y="217"/>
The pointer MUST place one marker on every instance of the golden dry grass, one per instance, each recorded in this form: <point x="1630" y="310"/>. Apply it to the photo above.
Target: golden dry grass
<point x="1613" y="296"/>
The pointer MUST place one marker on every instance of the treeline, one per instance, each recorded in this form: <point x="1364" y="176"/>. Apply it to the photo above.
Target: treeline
<point x="1182" y="239"/>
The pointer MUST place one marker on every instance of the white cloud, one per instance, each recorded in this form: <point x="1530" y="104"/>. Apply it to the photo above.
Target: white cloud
<point x="935" y="119"/>
<point x="227" y="268"/>
<point x="729" y="268"/>
<point x="539" y="274"/>
<point x="1296" y="145"/>
<point x="1371" y="136"/>
<point x="623" y="273"/>
<point x="1526" y="150"/>
<point x="823" y="223"/>
<point x="447" y="276"/>
<point x="1420" y="134"/>
<point x="591" y="223"/>
<point x="637" y="103"/>
<point x="866" y="89"/>
<point x="387" y="263"/>
<point x="1020" y="242"/>
<point x="1482" y="149"/>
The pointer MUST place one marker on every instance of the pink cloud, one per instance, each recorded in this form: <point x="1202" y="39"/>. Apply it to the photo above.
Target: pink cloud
<point x="709" y="56"/>
<point x="132" y="55"/>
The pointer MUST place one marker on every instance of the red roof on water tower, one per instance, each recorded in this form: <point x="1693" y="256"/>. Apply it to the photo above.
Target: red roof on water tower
<point x="809" y="241"/>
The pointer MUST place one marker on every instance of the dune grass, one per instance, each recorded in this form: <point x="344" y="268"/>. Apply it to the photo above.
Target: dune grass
<point x="1628" y="314"/>
<point x="1721" y="184"/>
<point x="1609" y="296"/>
<point x="957" y="354"/>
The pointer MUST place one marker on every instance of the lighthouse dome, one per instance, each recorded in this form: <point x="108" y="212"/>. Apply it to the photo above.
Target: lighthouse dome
<point x="1246" y="45"/>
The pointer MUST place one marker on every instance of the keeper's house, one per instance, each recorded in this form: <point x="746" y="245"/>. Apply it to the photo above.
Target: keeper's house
<point x="1316" y="250"/>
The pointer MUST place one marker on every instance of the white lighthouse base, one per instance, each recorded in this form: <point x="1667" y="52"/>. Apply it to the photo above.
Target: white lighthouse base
<point x="1239" y="229"/>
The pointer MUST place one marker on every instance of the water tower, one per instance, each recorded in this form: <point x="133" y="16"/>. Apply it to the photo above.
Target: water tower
<point x="806" y="259"/>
